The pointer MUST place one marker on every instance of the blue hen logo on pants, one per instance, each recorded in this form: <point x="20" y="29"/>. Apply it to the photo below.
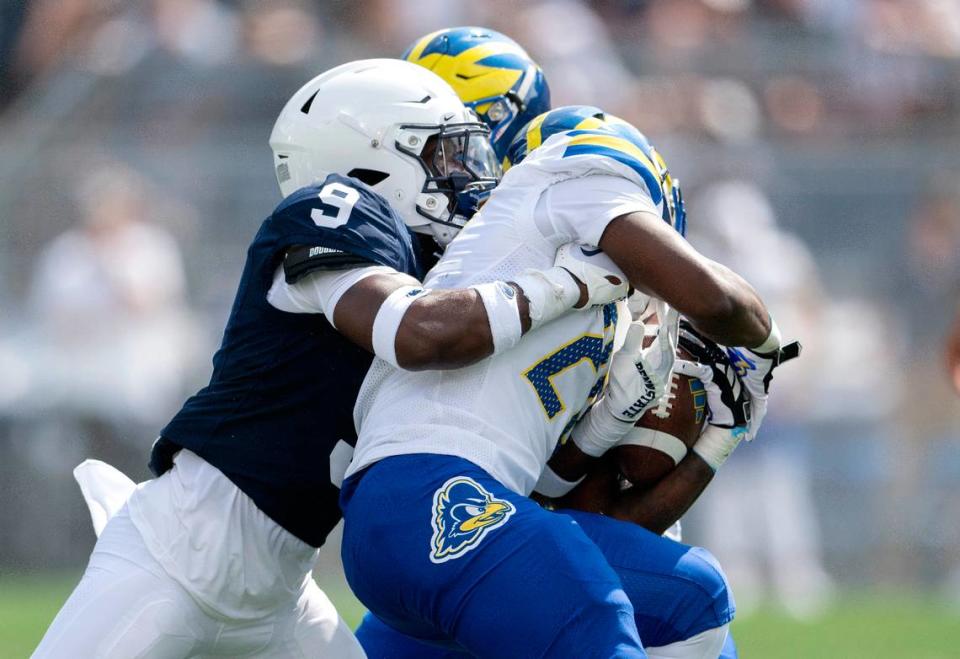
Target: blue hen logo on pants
<point x="463" y="513"/>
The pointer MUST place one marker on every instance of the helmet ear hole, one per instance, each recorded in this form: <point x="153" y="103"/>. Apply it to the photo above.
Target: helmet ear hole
<point x="369" y="176"/>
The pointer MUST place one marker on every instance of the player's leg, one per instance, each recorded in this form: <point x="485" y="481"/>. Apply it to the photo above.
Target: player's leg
<point x="681" y="599"/>
<point x="380" y="641"/>
<point x="308" y="626"/>
<point x="125" y="606"/>
<point x="705" y="645"/>
<point x="312" y="629"/>
<point x="469" y="560"/>
<point x="246" y="570"/>
<point x="729" y="650"/>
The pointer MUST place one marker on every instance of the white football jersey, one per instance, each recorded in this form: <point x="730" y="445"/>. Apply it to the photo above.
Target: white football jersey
<point x="507" y="413"/>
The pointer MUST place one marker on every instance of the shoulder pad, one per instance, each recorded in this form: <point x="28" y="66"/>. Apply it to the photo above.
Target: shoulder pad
<point x="301" y="260"/>
<point x="340" y="223"/>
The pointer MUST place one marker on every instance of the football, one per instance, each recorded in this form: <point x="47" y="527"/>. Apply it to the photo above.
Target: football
<point x="665" y="432"/>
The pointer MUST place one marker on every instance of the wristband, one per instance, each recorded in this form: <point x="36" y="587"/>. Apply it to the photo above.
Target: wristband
<point x="551" y="293"/>
<point x="716" y="444"/>
<point x="773" y="340"/>
<point x="388" y="319"/>
<point x="599" y="430"/>
<point x="503" y="313"/>
<point x="553" y="486"/>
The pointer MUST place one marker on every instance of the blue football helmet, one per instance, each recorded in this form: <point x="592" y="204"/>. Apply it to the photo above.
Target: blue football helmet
<point x="593" y="131"/>
<point x="491" y="74"/>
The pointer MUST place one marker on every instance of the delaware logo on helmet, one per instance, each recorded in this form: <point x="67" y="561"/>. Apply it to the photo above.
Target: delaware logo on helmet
<point x="463" y="513"/>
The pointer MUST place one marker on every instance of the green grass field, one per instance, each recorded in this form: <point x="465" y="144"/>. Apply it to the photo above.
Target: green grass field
<point x="867" y="626"/>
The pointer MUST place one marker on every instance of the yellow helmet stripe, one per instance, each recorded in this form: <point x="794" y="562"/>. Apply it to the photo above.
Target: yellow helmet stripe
<point x="590" y="123"/>
<point x="534" y="138"/>
<point x="470" y="56"/>
<point x="617" y="144"/>
<point x="421" y="46"/>
<point x="481" y="81"/>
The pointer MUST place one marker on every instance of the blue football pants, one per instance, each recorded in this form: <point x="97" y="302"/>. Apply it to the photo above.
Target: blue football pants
<point x="440" y="551"/>
<point x="677" y="591"/>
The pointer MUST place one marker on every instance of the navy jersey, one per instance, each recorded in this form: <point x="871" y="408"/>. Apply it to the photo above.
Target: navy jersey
<point x="283" y="387"/>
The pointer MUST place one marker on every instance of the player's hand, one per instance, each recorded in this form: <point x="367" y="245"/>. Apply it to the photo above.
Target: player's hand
<point x="637" y="380"/>
<point x="638" y="375"/>
<point x="600" y="280"/>
<point x="756" y="371"/>
<point x="728" y="397"/>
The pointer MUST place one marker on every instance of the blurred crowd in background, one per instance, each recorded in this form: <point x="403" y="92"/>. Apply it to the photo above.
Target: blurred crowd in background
<point x="817" y="143"/>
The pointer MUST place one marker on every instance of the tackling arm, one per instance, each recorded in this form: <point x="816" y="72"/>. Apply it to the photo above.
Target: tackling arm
<point x="443" y="329"/>
<point x="392" y="315"/>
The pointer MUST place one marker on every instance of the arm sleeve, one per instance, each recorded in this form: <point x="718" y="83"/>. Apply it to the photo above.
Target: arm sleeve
<point x="579" y="209"/>
<point x="318" y="291"/>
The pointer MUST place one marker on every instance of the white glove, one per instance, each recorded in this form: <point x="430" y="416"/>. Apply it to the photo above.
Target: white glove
<point x="726" y="427"/>
<point x="605" y="282"/>
<point x="638" y="379"/>
<point x="727" y="398"/>
<point x="638" y="376"/>
<point x="755" y="370"/>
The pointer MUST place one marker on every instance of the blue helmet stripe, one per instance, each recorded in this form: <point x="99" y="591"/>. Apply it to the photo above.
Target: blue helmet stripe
<point x="650" y="178"/>
<point x="454" y="42"/>
<point x="504" y="61"/>
<point x="566" y="118"/>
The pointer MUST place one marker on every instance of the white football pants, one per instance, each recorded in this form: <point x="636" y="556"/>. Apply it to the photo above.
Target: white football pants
<point x="128" y="605"/>
<point x="705" y="645"/>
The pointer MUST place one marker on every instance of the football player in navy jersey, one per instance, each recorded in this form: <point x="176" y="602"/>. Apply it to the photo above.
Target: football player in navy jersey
<point x="213" y="556"/>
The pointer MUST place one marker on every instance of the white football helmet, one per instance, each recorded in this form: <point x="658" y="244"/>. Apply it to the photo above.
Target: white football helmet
<point x="398" y="128"/>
